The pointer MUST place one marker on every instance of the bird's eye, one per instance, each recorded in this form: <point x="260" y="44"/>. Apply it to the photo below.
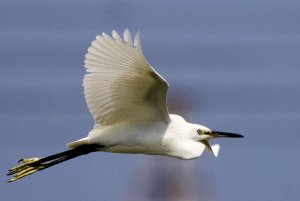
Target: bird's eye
<point x="200" y="132"/>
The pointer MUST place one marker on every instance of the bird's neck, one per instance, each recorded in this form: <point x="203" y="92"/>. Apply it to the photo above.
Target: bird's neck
<point x="178" y="141"/>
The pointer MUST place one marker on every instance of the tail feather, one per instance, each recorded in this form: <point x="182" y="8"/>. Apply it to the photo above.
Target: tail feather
<point x="78" y="143"/>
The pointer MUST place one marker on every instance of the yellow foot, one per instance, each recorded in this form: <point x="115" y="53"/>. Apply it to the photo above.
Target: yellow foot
<point x="27" y="167"/>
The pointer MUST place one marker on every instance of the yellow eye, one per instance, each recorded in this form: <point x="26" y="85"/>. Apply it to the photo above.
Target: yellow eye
<point x="200" y="132"/>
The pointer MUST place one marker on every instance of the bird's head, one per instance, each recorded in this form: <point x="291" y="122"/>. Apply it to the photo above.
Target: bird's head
<point x="203" y="134"/>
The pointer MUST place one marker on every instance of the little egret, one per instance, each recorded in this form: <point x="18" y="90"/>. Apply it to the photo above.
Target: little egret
<point x="127" y="99"/>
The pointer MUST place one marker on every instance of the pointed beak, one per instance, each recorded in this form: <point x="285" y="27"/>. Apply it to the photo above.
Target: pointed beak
<point x="217" y="134"/>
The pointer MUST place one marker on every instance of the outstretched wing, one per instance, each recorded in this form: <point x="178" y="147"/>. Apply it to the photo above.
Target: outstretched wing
<point x="120" y="85"/>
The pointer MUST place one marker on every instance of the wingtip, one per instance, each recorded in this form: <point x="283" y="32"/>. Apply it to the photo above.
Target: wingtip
<point x="127" y="37"/>
<point x="137" y="40"/>
<point x="116" y="36"/>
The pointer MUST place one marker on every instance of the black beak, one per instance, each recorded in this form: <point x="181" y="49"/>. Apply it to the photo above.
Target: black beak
<point x="225" y="134"/>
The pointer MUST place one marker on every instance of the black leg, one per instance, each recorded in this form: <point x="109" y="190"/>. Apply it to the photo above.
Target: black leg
<point x="32" y="165"/>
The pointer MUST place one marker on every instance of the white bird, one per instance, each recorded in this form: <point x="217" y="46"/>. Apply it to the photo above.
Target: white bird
<point x="127" y="99"/>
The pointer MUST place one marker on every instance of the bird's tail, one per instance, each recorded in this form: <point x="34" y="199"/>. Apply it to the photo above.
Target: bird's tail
<point x="32" y="165"/>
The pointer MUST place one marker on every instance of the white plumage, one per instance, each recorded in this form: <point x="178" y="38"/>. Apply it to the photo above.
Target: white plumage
<point x="127" y="99"/>
<point x="120" y="85"/>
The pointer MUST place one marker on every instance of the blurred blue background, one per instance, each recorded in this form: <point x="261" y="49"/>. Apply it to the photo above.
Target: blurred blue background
<point x="232" y="65"/>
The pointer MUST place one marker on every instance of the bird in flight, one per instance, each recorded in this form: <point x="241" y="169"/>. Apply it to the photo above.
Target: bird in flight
<point x="127" y="99"/>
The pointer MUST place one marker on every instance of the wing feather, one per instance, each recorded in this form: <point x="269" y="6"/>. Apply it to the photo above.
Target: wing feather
<point x="120" y="85"/>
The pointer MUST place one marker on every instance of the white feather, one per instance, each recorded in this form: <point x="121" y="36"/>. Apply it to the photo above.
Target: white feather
<point x="127" y="37"/>
<point x="215" y="149"/>
<point x="120" y="84"/>
<point x="137" y="41"/>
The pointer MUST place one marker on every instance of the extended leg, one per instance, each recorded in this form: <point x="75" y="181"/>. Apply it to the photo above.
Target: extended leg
<point x="31" y="165"/>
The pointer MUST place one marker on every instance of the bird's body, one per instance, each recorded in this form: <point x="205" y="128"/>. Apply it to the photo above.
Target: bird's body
<point x="155" y="137"/>
<point x="127" y="99"/>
